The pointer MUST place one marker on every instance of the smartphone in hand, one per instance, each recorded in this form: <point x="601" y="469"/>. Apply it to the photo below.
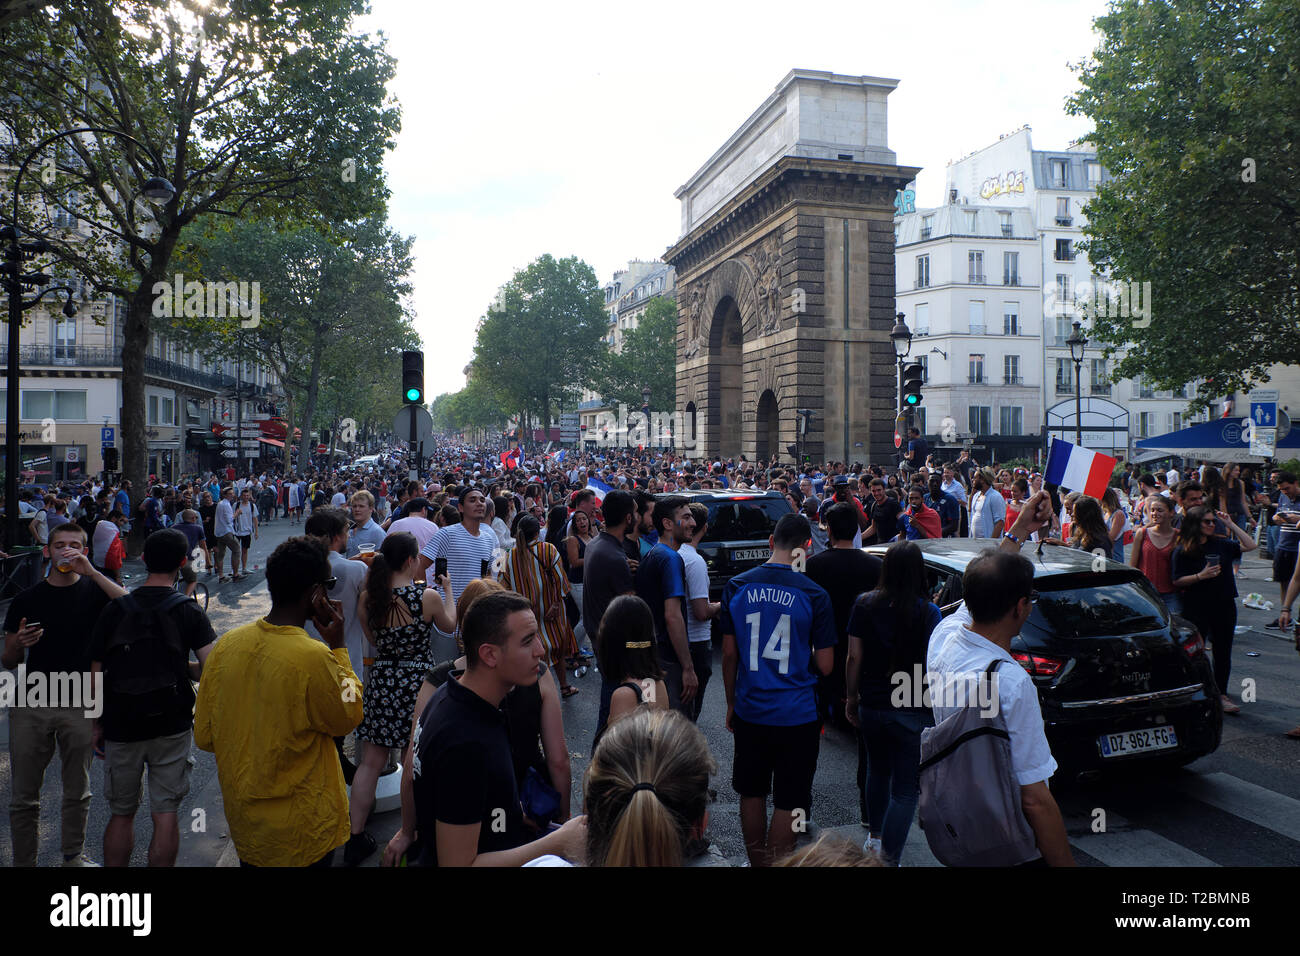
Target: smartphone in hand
<point x="439" y="568"/>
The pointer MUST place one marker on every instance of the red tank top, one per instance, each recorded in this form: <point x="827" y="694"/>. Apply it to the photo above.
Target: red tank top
<point x="1156" y="564"/>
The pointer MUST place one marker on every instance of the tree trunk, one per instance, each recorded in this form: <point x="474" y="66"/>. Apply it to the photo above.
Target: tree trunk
<point x="288" y="430"/>
<point x="309" y="412"/>
<point x="135" y="344"/>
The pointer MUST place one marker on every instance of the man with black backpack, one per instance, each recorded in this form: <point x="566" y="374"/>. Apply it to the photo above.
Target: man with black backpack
<point x="142" y="644"/>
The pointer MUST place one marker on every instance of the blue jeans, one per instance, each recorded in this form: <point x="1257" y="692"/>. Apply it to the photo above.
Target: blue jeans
<point x="1173" y="601"/>
<point x="893" y="742"/>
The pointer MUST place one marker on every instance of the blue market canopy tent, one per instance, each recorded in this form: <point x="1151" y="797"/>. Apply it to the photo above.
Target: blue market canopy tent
<point x="1217" y="441"/>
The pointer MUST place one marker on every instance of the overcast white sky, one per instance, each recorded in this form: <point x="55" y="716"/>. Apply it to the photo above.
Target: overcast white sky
<point x="565" y="127"/>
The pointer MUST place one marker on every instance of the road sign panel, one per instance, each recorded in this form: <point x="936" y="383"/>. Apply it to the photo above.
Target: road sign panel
<point x="106" y="436"/>
<point x="230" y="453"/>
<point x="1263" y="442"/>
<point x="1263" y="414"/>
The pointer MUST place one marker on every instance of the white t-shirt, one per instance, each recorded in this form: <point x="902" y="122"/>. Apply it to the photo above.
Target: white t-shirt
<point x="464" y="552"/>
<point x="957" y="653"/>
<point x="339" y="500"/>
<point x="1172" y="477"/>
<point x="987" y="508"/>
<point x="697" y="586"/>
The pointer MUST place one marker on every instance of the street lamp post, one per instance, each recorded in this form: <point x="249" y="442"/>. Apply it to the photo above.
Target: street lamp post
<point x="645" y="410"/>
<point x="1077" y="343"/>
<point x="901" y="336"/>
<point x="155" y="189"/>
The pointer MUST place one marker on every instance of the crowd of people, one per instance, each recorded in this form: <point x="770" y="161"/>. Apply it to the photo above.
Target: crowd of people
<point x="437" y="622"/>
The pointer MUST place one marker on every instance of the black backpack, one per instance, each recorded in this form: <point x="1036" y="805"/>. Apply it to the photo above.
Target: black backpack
<point x="146" y="661"/>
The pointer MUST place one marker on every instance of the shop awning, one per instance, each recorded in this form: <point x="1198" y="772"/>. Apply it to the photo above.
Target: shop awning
<point x="271" y="441"/>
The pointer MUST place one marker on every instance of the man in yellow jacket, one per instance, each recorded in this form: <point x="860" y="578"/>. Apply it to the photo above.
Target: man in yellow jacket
<point x="270" y="704"/>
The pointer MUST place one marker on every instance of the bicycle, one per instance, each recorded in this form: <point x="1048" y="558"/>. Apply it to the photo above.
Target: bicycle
<point x="200" y="592"/>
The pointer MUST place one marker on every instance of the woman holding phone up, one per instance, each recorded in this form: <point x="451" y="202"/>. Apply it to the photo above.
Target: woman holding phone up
<point x="1210" y="594"/>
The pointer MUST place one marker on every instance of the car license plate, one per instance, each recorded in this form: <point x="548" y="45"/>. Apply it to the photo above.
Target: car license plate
<point x="751" y="554"/>
<point x="1137" y="741"/>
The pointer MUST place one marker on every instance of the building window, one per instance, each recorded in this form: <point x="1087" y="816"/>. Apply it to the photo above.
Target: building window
<point x="1010" y="420"/>
<point x="975" y="266"/>
<point x="1004" y="220"/>
<point x="1011" y="268"/>
<point x="1058" y="173"/>
<point x="922" y="272"/>
<point x="924" y="362"/>
<point x="979" y="417"/>
<point x="1180" y="392"/>
<point x="976" y="370"/>
<point x="1064" y="376"/>
<point x="976" y="317"/>
<point x="1063" y="211"/>
<point x="1063" y="330"/>
<point x="1094" y="173"/>
<point x="1144" y="388"/>
<point x="1175" y="420"/>
<point x="972" y="222"/>
<point x="65" y="339"/>
<point x="1064" y="250"/>
<point x="1146" y="421"/>
<point x="927" y="226"/>
<point x="1010" y="318"/>
<point x="1011" y="370"/>
<point x="923" y="318"/>
<point x="919" y="418"/>
<point x="62" y="406"/>
<point x="1100" y="381"/>
<point x="1062" y="290"/>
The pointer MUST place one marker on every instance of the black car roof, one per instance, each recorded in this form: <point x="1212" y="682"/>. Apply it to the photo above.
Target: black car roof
<point x="705" y="494"/>
<point x="956" y="553"/>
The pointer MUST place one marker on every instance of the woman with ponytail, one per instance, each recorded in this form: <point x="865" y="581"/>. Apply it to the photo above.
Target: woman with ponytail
<point x="533" y="570"/>
<point x="396" y="611"/>
<point x="647" y="792"/>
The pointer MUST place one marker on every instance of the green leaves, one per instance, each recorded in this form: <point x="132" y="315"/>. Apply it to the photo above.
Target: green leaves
<point x="648" y="357"/>
<point x="1182" y="93"/>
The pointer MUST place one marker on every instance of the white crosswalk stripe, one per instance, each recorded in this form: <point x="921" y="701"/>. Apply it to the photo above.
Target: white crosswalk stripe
<point x="1259" y="805"/>
<point x="1120" y="845"/>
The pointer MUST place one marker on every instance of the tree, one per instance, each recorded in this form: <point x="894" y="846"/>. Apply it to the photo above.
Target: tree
<point x="648" y="357"/>
<point x="331" y="310"/>
<point x="250" y="107"/>
<point x="1197" y="111"/>
<point x="540" y="345"/>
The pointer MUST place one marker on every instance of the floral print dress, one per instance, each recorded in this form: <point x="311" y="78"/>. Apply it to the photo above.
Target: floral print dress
<point x="403" y="655"/>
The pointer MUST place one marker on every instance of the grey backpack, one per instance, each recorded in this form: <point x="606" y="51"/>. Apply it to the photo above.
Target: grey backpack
<point x="970" y="801"/>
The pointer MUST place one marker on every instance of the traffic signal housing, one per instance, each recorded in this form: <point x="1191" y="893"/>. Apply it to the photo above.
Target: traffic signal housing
<point x="413" y="378"/>
<point x="110" y="458"/>
<point x="913" y="378"/>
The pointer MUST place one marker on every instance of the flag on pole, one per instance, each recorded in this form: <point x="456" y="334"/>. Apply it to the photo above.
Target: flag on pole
<point x="559" y="455"/>
<point x="600" y="488"/>
<point x="1075" y="468"/>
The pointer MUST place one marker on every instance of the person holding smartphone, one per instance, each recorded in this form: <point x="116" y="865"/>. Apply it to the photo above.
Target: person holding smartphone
<point x="1210" y="594"/>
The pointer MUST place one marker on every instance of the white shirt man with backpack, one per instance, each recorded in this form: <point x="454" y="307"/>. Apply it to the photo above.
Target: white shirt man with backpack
<point x="141" y="644"/>
<point x="998" y="585"/>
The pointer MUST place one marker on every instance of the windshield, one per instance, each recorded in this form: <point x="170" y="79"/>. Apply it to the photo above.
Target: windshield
<point x="1127" y="607"/>
<point x="745" y="520"/>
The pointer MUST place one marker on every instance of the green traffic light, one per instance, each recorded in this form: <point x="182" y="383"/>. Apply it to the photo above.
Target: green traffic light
<point x="912" y="399"/>
<point x="412" y="394"/>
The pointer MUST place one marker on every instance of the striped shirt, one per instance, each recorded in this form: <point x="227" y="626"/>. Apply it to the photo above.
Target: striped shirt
<point x="465" y="554"/>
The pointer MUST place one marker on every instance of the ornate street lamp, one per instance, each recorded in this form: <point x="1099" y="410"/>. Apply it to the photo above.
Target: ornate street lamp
<point x="1077" y="343"/>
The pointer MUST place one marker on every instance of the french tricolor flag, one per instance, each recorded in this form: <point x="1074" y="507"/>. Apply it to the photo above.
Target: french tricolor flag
<point x="1075" y="468"/>
<point x="600" y="488"/>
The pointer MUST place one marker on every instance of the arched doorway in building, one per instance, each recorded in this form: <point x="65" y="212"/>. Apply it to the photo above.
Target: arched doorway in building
<point x="727" y="364"/>
<point x="688" y="437"/>
<point x="767" y="432"/>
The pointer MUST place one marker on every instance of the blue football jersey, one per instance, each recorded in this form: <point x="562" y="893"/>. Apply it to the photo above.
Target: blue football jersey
<point x="779" y="617"/>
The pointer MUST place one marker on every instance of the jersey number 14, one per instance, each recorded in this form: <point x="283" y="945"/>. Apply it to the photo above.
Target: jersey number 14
<point x="778" y="645"/>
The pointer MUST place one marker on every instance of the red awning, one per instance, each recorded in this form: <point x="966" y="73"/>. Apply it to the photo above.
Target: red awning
<point x="271" y="441"/>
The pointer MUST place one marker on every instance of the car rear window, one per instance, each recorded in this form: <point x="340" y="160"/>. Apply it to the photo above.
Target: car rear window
<point x="745" y="520"/>
<point x="1119" y="607"/>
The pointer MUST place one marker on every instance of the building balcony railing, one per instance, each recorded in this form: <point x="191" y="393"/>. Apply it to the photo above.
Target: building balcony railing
<point x="1064" y="221"/>
<point x="977" y="329"/>
<point x="1010" y="278"/>
<point x="1064" y="388"/>
<point x="175" y="372"/>
<point x="1099" y="388"/>
<point x="975" y="379"/>
<point x="977" y="278"/>
<point x="1013" y="380"/>
<point x="921" y="284"/>
<point x="65" y="356"/>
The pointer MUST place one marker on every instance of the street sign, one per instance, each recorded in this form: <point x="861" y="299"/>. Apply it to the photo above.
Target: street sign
<point x="423" y="424"/>
<point x="1263" y="442"/>
<point x="106" y="436"/>
<point x="72" y="456"/>
<point x="898" y="440"/>
<point x="1263" y="414"/>
<point x="569" y="427"/>
<point x="230" y="453"/>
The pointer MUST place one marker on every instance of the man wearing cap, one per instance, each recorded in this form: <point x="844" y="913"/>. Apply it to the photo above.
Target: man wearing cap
<point x="988" y="509"/>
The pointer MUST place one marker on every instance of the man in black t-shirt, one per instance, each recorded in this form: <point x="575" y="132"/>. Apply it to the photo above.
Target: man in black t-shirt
<point x="883" y="512"/>
<point x="466" y="801"/>
<point x="606" y="574"/>
<point x="50" y="624"/>
<point x="153" y="730"/>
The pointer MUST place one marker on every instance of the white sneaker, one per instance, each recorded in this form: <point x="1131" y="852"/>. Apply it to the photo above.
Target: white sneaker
<point x="872" y="846"/>
<point x="81" y="860"/>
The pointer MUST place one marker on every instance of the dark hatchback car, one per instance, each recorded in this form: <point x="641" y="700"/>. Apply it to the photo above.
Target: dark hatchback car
<point x="1120" y="680"/>
<point x="740" y="523"/>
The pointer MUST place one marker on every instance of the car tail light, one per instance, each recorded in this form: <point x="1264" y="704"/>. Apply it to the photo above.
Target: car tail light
<point x="1191" y="642"/>
<point x="1039" y="665"/>
<point x="744" y="497"/>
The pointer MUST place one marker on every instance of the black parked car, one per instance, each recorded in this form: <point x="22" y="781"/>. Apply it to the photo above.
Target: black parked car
<point x="1120" y="680"/>
<point x="740" y="522"/>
